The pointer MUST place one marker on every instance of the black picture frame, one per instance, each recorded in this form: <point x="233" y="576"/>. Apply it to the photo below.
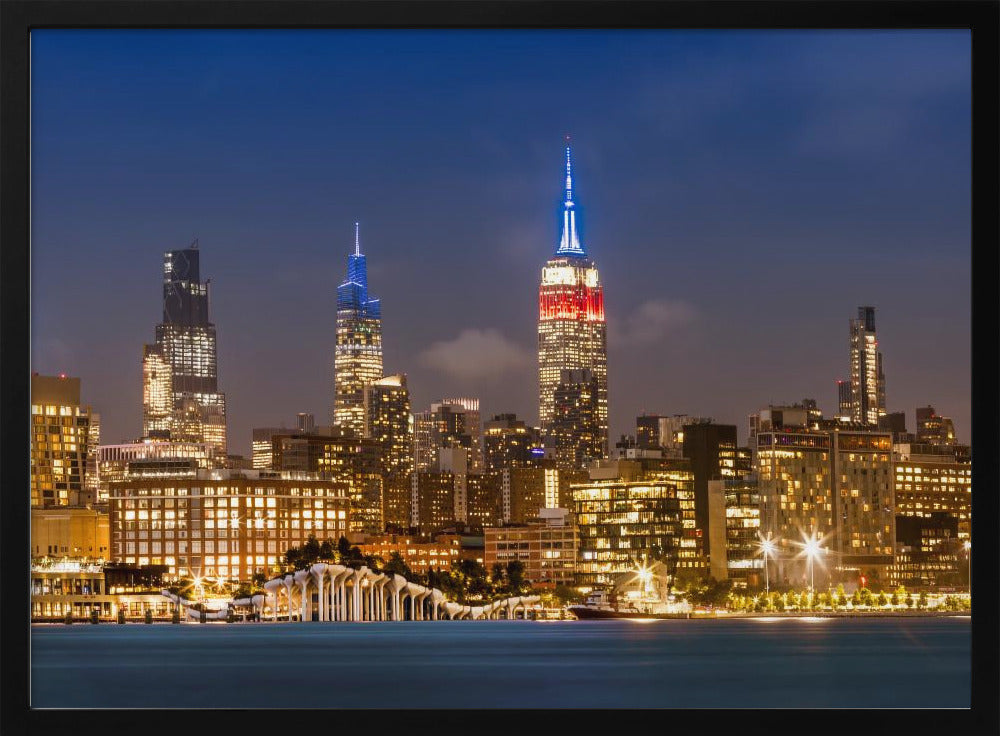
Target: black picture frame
<point x="19" y="17"/>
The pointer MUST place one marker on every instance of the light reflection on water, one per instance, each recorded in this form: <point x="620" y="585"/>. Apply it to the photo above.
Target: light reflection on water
<point x="507" y="664"/>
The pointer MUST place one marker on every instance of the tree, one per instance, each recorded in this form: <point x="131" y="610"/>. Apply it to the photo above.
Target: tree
<point x="515" y="577"/>
<point x="397" y="566"/>
<point x="343" y="548"/>
<point x="259" y="578"/>
<point x="922" y="601"/>
<point x="327" y="551"/>
<point x="310" y="551"/>
<point x="882" y="600"/>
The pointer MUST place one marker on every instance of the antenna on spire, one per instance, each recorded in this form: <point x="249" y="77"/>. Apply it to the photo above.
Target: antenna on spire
<point x="569" y="173"/>
<point x="194" y="243"/>
<point x="357" y="240"/>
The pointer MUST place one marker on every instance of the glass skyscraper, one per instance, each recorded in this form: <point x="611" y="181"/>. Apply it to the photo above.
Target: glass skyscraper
<point x="572" y="334"/>
<point x="358" y="357"/>
<point x="867" y="380"/>
<point x="180" y="370"/>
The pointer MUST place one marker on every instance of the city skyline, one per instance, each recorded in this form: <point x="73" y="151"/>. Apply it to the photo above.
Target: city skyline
<point x="676" y="308"/>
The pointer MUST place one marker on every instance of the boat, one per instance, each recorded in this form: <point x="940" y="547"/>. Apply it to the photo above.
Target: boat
<point x="636" y="596"/>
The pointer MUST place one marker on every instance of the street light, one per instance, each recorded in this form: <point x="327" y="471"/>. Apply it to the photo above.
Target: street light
<point x="812" y="551"/>
<point x="967" y="546"/>
<point x="767" y="548"/>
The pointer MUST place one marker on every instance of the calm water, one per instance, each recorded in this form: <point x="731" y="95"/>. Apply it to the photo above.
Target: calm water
<point x="748" y="663"/>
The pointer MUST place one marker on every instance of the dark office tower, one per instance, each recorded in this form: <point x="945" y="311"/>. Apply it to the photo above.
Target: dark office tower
<point x="647" y="432"/>
<point x="867" y="379"/>
<point x="844" y="399"/>
<point x="183" y="360"/>
<point x="508" y="443"/>
<point x="895" y="423"/>
<point x="358" y="357"/>
<point x="576" y="427"/>
<point x="714" y="456"/>
<point x="572" y="333"/>
<point x="933" y="429"/>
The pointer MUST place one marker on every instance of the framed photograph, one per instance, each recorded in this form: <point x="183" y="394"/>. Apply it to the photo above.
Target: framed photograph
<point x="536" y="366"/>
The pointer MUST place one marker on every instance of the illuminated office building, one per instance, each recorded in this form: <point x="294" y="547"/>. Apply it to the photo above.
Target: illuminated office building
<point x="358" y="356"/>
<point x="525" y="492"/>
<point x="576" y="430"/>
<point x="180" y="370"/>
<point x="389" y="423"/>
<point x="622" y="523"/>
<point x="60" y="431"/>
<point x="733" y="539"/>
<point x="934" y="479"/>
<point x="571" y="330"/>
<point x="448" y="423"/>
<point x="545" y="546"/>
<point x="867" y="379"/>
<point x="509" y="443"/>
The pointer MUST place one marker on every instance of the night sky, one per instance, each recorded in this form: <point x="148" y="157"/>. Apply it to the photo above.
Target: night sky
<point x="742" y="193"/>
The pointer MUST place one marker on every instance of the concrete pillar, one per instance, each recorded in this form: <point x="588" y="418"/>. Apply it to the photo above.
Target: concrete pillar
<point x="322" y="603"/>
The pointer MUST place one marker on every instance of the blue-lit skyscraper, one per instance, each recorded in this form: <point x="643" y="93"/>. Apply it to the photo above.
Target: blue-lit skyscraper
<point x="358" y="357"/>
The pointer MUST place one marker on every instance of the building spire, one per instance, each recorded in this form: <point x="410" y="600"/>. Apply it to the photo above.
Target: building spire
<point x="569" y="243"/>
<point x="357" y="240"/>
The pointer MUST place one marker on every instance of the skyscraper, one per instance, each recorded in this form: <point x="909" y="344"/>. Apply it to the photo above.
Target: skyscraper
<point x="180" y="370"/>
<point x="358" y="356"/>
<point x="571" y="330"/>
<point x="448" y="423"/>
<point x="388" y="421"/>
<point x="576" y="428"/>
<point x="867" y="379"/>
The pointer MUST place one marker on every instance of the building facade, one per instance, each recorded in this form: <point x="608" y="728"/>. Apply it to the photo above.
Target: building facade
<point x="572" y="333"/>
<point x="358" y="353"/>
<point x="867" y="379"/>
<point x="182" y="363"/>
<point x="509" y="443"/>
<point x="60" y="436"/>
<point x="448" y="424"/>
<point x="70" y="531"/>
<point x="734" y="540"/>
<point x="620" y="524"/>
<point x="219" y="523"/>
<point x="524" y="492"/>
<point x="545" y="546"/>
<point x="576" y="430"/>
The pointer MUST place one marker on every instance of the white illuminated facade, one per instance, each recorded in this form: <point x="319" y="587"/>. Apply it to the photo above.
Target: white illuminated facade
<point x="867" y="396"/>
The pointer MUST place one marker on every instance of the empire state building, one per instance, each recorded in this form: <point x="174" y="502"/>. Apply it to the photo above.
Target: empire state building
<point x="572" y="334"/>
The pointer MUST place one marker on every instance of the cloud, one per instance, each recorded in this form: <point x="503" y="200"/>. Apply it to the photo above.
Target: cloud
<point x="476" y="354"/>
<point x="654" y="319"/>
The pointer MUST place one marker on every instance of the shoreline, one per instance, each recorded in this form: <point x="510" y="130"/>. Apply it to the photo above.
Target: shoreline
<point x="712" y="616"/>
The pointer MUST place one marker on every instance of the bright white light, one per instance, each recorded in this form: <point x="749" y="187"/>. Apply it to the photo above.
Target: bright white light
<point x="812" y="548"/>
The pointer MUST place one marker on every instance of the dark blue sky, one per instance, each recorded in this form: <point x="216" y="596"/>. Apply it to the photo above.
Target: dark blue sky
<point x="742" y="192"/>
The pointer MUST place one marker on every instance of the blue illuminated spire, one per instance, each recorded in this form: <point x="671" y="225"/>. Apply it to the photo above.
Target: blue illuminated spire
<point x="353" y="293"/>
<point x="569" y="244"/>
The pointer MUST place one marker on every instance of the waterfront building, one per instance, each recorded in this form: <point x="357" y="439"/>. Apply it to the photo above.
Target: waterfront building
<point x="834" y="482"/>
<point x="734" y="532"/>
<point x="78" y="587"/>
<point x="221" y="523"/>
<point x="448" y="423"/>
<point x="546" y="546"/>
<point x="69" y="531"/>
<point x="622" y="523"/>
<point x="60" y="433"/>
<point x="576" y="429"/>
<point x="867" y="378"/>
<point x="929" y="553"/>
<point x="358" y="354"/>
<point x="483" y="501"/>
<point x="509" y="443"/>
<point x="713" y="455"/>
<point x="571" y="328"/>
<point x="180" y="369"/>
<point x="933" y="429"/>
<point x="421" y="554"/>
<point x="654" y="466"/>
<point x="933" y="479"/>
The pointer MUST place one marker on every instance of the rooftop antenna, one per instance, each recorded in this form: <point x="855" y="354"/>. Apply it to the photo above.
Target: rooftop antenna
<point x="357" y="240"/>
<point x="194" y="243"/>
